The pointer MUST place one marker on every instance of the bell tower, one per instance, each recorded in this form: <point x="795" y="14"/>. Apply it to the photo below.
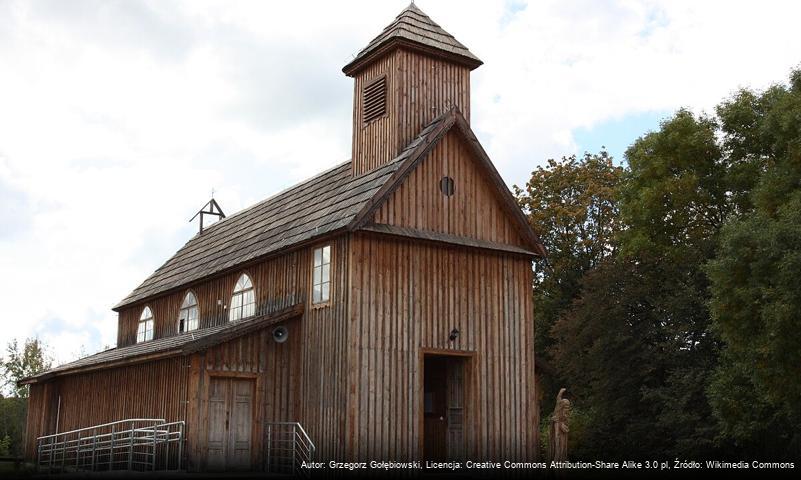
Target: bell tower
<point x="403" y="79"/>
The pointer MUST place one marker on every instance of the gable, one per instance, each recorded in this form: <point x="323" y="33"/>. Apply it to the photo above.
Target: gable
<point x="475" y="209"/>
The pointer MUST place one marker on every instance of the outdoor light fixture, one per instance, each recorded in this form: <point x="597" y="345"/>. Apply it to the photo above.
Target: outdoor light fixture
<point x="454" y="335"/>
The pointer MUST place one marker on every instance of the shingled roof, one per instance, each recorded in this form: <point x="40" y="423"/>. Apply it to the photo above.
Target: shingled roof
<point x="173" y="346"/>
<point x="322" y="205"/>
<point x="414" y="29"/>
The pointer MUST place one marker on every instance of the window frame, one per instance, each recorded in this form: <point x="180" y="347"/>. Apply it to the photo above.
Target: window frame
<point x="140" y="331"/>
<point x="181" y="309"/>
<point x="241" y="293"/>
<point x="324" y="301"/>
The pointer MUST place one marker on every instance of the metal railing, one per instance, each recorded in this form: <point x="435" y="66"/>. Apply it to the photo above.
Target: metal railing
<point x="145" y="444"/>
<point x="287" y="447"/>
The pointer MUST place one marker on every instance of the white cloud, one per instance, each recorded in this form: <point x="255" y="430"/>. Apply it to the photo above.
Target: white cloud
<point x="117" y="118"/>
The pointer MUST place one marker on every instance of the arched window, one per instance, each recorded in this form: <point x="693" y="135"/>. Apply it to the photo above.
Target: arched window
<point x="243" y="301"/>
<point x="145" y="330"/>
<point x="188" y="316"/>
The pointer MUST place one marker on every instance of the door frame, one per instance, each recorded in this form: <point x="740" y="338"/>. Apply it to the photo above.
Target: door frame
<point x="470" y="358"/>
<point x="255" y="413"/>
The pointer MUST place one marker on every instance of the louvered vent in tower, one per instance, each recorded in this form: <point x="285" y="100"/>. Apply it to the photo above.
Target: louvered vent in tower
<point x="374" y="99"/>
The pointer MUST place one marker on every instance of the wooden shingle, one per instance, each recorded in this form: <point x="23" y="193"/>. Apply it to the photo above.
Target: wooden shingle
<point x="319" y="206"/>
<point x="176" y="345"/>
<point x="414" y="29"/>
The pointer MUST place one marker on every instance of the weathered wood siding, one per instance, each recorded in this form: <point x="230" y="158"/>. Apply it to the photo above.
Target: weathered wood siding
<point x="156" y="389"/>
<point x="274" y="369"/>
<point x="279" y="282"/>
<point x="406" y="298"/>
<point x="300" y="380"/>
<point x="419" y="88"/>
<point x="474" y="210"/>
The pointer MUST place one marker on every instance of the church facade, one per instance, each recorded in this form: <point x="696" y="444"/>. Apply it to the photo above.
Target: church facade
<point x="384" y="305"/>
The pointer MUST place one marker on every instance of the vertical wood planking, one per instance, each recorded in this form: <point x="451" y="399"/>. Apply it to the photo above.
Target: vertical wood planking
<point x="419" y="88"/>
<point x="485" y="296"/>
<point x="474" y="210"/>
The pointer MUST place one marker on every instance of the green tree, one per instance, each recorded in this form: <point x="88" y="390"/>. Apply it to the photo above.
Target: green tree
<point x="635" y="346"/>
<point x="571" y="204"/>
<point x="641" y="387"/>
<point x="756" y="300"/>
<point x="674" y="199"/>
<point x="12" y="423"/>
<point x="23" y="362"/>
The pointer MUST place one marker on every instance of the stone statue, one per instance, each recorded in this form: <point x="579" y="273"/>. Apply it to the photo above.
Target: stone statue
<point x="557" y="442"/>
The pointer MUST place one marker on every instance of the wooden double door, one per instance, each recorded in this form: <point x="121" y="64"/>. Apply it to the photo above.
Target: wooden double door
<point x="230" y="424"/>
<point x="443" y="407"/>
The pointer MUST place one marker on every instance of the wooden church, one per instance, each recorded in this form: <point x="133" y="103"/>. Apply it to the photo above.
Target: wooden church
<point x="381" y="309"/>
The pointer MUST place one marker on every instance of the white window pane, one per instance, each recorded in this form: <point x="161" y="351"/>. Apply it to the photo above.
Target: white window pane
<point x="236" y="301"/>
<point x="249" y="297"/>
<point x="326" y="292"/>
<point x="235" y="314"/>
<point x="317" y="276"/>
<point x="189" y="300"/>
<point x="242" y="283"/>
<point x="318" y="256"/>
<point x="248" y="310"/>
<point x="327" y="254"/>
<point x="148" y="329"/>
<point x="317" y="294"/>
<point x="326" y="273"/>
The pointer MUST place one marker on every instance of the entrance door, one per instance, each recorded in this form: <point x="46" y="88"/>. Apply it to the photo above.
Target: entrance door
<point x="443" y="407"/>
<point x="230" y="423"/>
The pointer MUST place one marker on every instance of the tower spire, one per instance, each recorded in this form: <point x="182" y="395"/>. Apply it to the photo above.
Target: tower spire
<point x="413" y="29"/>
<point x="409" y="74"/>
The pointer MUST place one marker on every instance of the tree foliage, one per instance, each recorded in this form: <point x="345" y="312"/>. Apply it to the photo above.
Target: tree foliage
<point x="571" y="204"/>
<point x="756" y="299"/>
<point x="673" y="201"/>
<point x="673" y="320"/>
<point x="20" y="362"/>
<point x="23" y="362"/>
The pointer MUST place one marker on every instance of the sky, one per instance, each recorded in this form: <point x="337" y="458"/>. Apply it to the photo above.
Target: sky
<point x="118" y="118"/>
